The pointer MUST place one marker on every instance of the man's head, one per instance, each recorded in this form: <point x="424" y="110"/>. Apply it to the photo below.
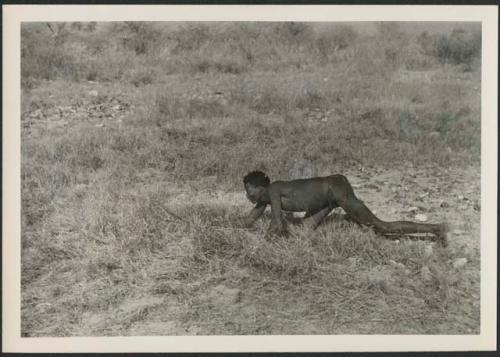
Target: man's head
<point x="256" y="184"/>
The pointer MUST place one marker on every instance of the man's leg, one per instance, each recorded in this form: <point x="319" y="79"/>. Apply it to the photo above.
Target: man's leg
<point x="313" y="219"/>
<point x="357" y="210"/>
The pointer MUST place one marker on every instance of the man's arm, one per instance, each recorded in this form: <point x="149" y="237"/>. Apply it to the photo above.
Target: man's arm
<point x="254" y="214"/>
<point x="276" y="225"/>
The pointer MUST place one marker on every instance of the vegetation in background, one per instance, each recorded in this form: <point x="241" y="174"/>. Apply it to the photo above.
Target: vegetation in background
<point x="128" y="125"/>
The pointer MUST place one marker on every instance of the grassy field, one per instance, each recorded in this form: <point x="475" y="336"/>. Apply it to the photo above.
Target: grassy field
<point x="135" y="139"/>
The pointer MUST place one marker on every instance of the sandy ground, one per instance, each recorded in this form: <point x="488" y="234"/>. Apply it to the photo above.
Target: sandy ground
<point x="238" y="300"/>
<point x="430" y="194"/>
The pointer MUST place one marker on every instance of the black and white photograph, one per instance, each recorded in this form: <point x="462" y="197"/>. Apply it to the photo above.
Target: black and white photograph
<point x="253" y="178"/>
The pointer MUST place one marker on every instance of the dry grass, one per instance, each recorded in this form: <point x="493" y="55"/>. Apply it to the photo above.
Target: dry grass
<point x="109" y="166"/>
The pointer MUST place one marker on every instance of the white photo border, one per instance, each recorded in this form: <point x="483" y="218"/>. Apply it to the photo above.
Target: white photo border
<point x="14" y="15"/>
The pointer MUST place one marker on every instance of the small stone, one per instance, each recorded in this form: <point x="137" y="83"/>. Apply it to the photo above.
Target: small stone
<point x="444" y="204"/>
<point x="372" y="186"/>
<point x="421" y="217"/>
<point x="353" y="261"/>
<point x="423" y="195"/>
<point x="396" y="264"/>
<point x="225" y="296"/>
<point x="412" y="209"/>
<point x="477" y="206"/>
<point x="37" y="114"/>
<point x="459" y="262"/>
<point x="93" y="93"/>
<point x="425" y="273"/>
<point x="428" y="250"/>
<point x="458" y="231"/>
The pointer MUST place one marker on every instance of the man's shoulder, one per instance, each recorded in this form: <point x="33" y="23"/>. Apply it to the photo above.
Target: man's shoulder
<point x="277" y="186"/>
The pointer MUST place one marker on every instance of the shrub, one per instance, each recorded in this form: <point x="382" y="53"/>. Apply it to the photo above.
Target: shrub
<point x="426" y="42"/>
<point x="42" y="57"/>
<point x="77" y="26"/>
<point x="413" y="57"/>
<point x="390" y="31"/>
<point x="459" y="47"/>
<point x="142" y="37"/>
<point x="293" y="32"/>
<point x="70" y="55"/>
<point x="337" y="38"/>
<point x="90" y="26"/>
<point x="444" y="121"/>
<point x="190" y="37"/>
<point x="142" y="77"/>
<point x="370" y="59"/>
<point x="220" y="64"/>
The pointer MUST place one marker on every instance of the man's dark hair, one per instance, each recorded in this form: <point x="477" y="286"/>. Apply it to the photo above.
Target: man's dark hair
<point x="257" y="178"/>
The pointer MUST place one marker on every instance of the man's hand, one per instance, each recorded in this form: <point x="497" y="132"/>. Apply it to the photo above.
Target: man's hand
<point x="254" y="214"/>
<point x="279" y="228"/>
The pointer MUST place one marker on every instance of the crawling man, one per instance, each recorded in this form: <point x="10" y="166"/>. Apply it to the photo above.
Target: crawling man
<point x="318" y="196"/>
